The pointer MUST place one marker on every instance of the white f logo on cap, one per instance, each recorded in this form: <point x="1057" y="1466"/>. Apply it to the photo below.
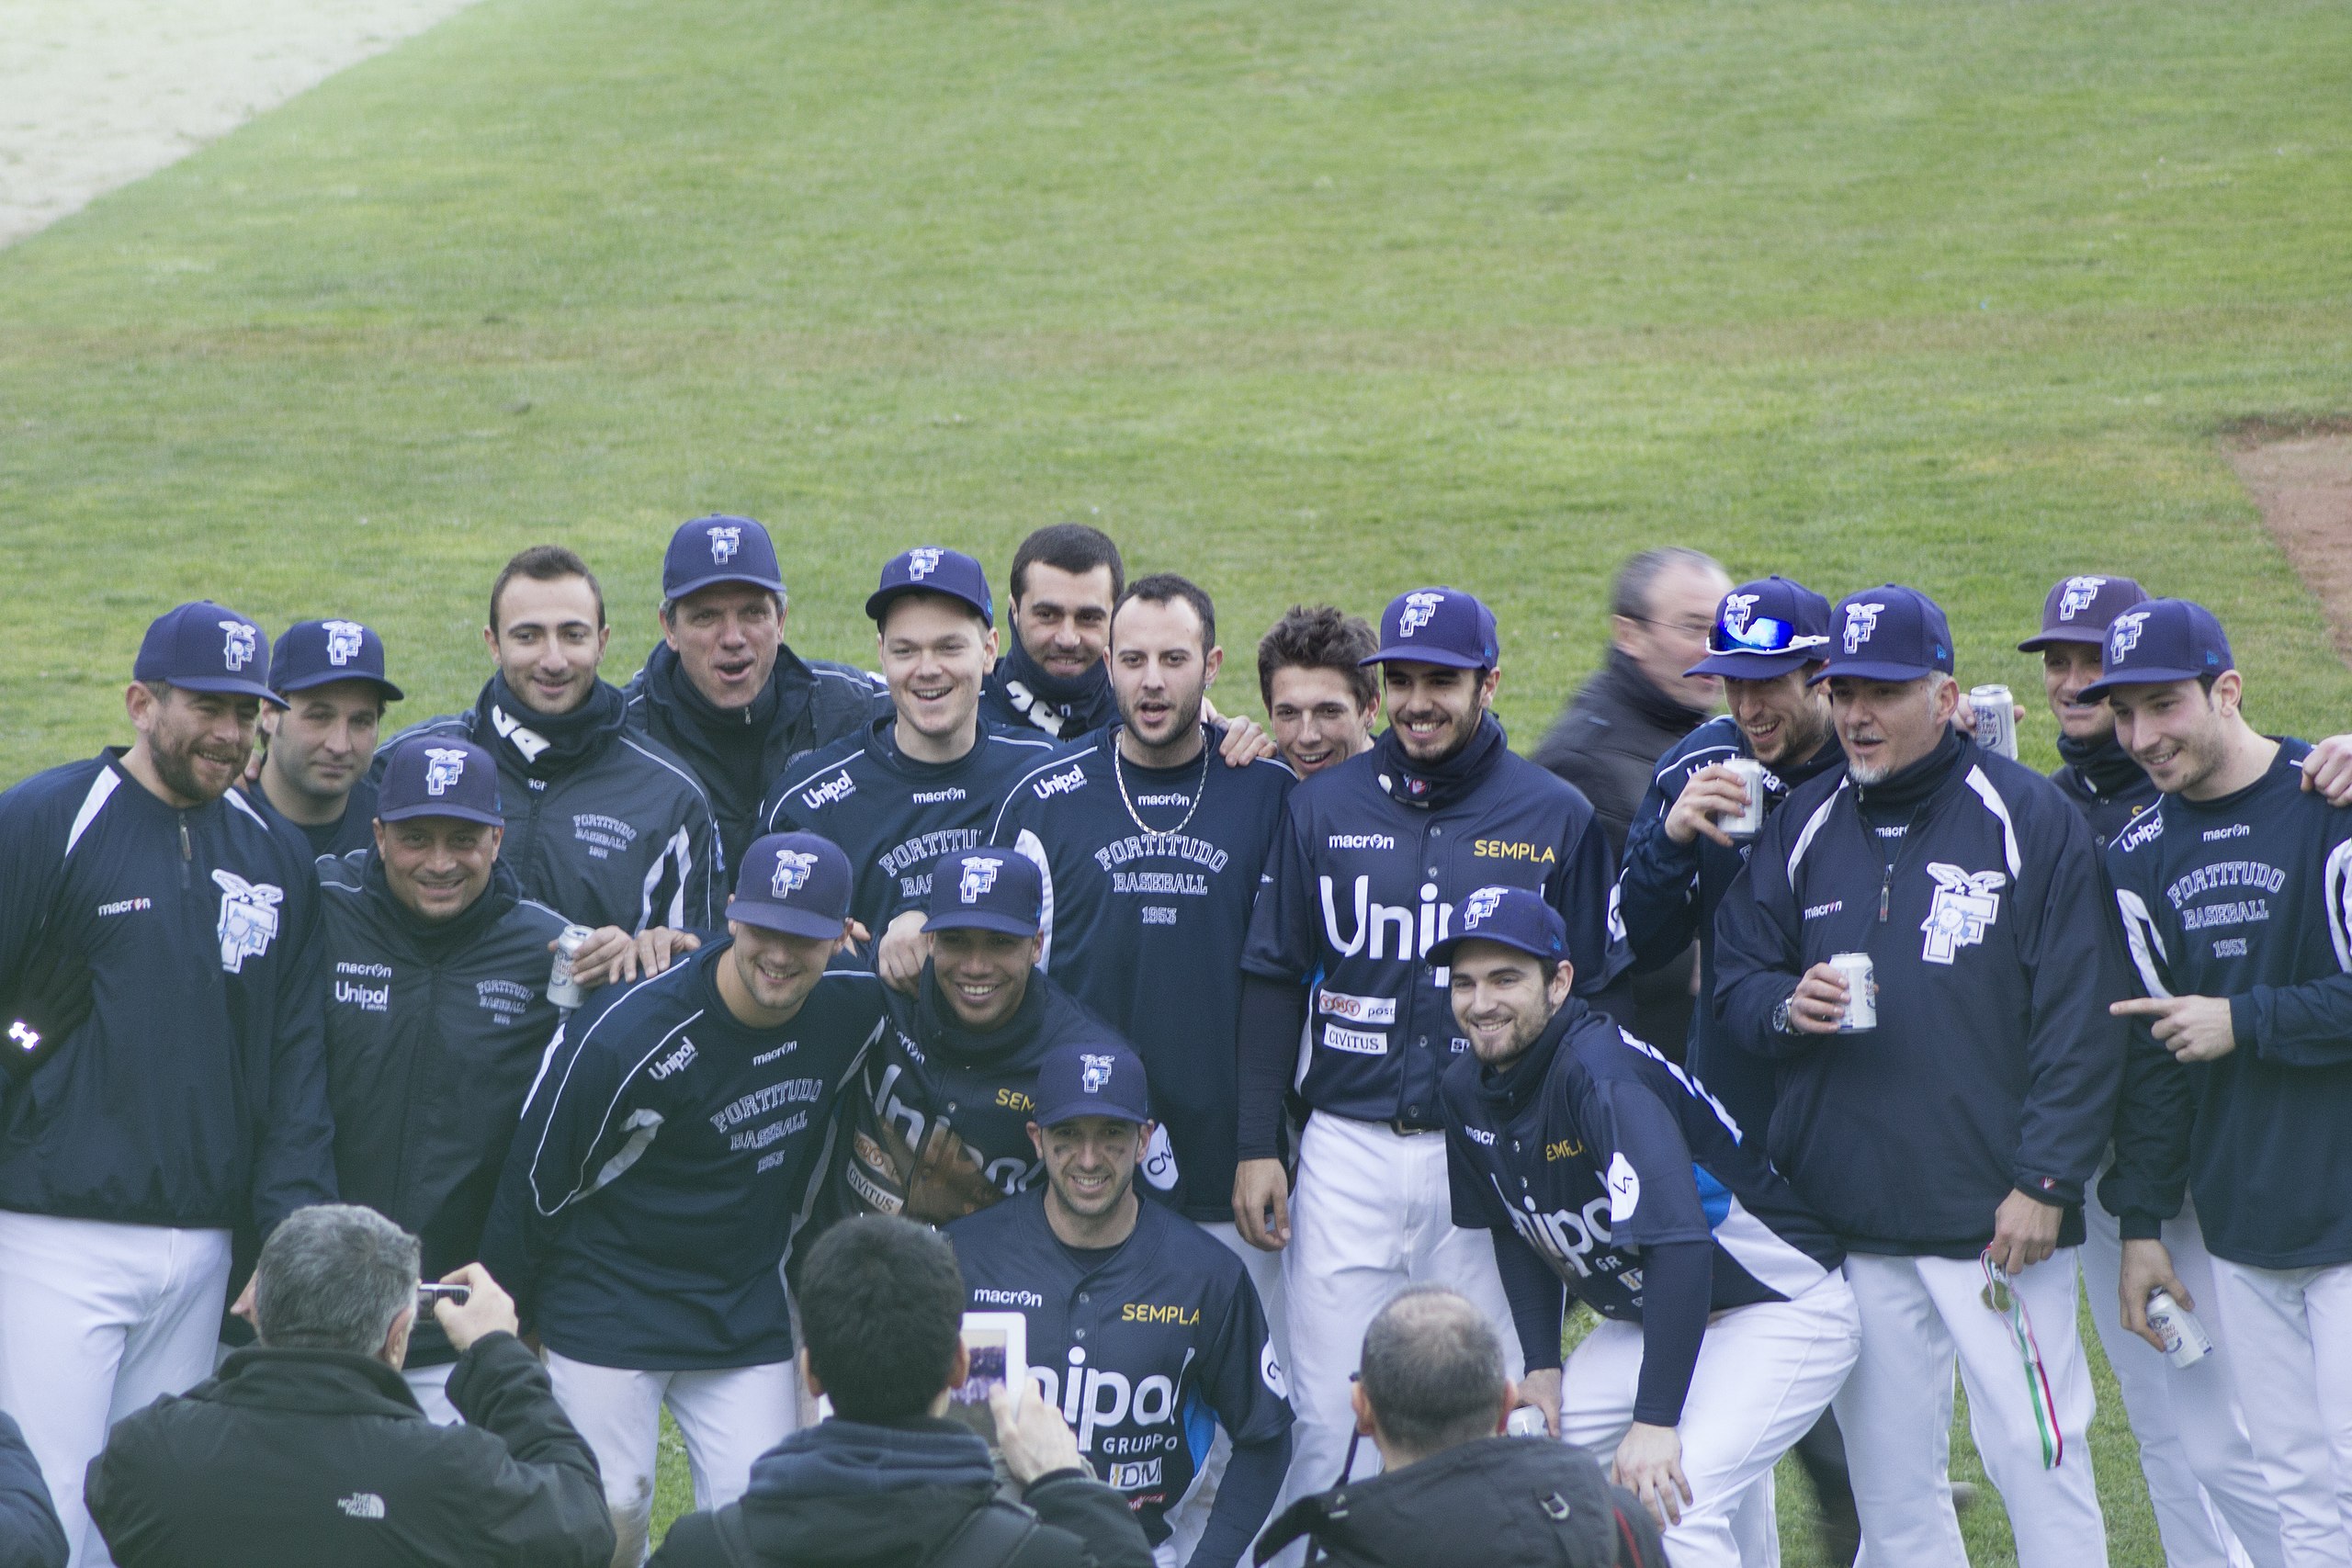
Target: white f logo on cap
<point x="1483" y="903"/>
<point x="1094" y="1075"/>
<point x="1737" y="608"/>
<point x="1419" y="610"/>
<point x="1861" y="620"/>
<point x="443" y="769"/>
<point x="921" y="563"/>
<point x="343" y="641"/>
<point x="725" y="540"/>
<point x="2124" y="635"/>
<point x="239" y="649"/>
<point x="2080" y="593"/>
<point x="980" y="876"/>
<point x="792" y="869"/>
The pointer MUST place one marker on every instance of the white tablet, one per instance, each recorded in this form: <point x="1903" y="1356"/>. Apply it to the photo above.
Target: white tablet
<point x="998" y="1344"/>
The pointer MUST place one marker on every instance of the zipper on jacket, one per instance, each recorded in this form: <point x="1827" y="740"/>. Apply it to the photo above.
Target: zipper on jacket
<point x="187" y="852"/>
<point x="1885" y="892"/>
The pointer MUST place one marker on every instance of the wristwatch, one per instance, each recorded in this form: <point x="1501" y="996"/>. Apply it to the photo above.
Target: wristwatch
<point x="1781" y="1015"/>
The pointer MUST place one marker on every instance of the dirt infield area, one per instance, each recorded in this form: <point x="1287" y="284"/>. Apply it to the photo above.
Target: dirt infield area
<point x="2300" y="475"/>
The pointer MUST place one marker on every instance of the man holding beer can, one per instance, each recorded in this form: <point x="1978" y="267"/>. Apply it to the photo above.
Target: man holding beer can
<point x="1948" y="1147"/>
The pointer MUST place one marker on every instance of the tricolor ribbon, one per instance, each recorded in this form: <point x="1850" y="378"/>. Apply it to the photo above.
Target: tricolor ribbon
<point x="2002" y="1298"/>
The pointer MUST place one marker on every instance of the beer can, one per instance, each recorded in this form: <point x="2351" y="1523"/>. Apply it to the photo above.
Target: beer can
<point x="1748" y="823"/>
<point x="1996" y="718"/>
<point x="2186" y="1341"/>
<point x="1525" y="1422"/>
<point x="562" y="989"/>
<point x="1862" y="991"/>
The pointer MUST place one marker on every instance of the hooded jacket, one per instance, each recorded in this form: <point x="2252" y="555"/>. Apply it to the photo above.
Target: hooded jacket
<point x="30" y="1536"/>
<point x="856" y="1495"/>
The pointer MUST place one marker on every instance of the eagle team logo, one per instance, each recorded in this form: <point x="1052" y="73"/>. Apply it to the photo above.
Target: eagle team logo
<point x="1482" y="903"/>
<point x="1737" y="609"/>
<point x="792" y="869"/>
<point x="980" y="876"/>
<point x="1419" y="610"/>
<point x="1095" y="1072"/>
<point x="343" y="641"/>
<point x="1966" y="904"/>
<point x="238" y="651"/>
<point x="2080" y="594"/>
<point x="921" y="563"/>
<point x="724" y="543"/>
<point x="442" y="768"/>
<point x="248" y="919"/>
<point x="1861" y="620"/>
<point x="2124" y="635"/>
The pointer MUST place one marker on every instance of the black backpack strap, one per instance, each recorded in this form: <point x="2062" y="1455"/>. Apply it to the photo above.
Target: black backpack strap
<point x="991" y="1536"/>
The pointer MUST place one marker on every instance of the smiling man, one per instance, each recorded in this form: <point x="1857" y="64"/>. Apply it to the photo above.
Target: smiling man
<point x="329" y="676"/>
<point x="1065" y="580"/>
<point x="662" y="1173"/>
<point x="1322" y="702"/>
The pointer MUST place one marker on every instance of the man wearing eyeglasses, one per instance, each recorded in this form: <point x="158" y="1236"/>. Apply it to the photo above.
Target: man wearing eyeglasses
<point x="1644" y="699"/>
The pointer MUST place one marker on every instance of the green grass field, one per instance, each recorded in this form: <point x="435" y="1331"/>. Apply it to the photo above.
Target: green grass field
<point x="1317" y="300"/>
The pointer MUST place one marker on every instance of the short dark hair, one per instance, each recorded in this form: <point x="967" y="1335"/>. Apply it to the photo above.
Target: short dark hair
<point x="1630" y="595"/>
<point x="1073" y="547"/>
<point x="545" y="563"/>
<point x="1321" y="637"/>
<point x="881" y="1306"/>
<point x="1166" y="588"/>
<point x="1433" y="1370"/>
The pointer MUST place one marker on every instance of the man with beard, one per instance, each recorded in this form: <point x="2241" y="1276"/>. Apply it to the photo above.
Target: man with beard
<point x="1065" y="580"/>
<point x="722" y="690"/>
<point x="159" y="993"/>
<point x="1321" y="700"/>
<point x="937" y="1123"/>
<point x="329" y="677"/>
<point x="1151" y="852"/>
<point x="1370" y="857"/>
<point x="601" y="823"/>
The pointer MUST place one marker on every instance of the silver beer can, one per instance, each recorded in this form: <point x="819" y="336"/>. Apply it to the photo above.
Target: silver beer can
<point x="1862" y="991"/>
<point x="1748" y="823"/>
<point x="1996" y="718"/>
<point x="1525" y="1422"/>
<point x="562" y="989"/>
<point x="2186" y="1341"/>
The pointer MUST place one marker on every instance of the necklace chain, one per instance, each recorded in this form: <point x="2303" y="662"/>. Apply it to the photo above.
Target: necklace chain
<point x="1200" y="789"/>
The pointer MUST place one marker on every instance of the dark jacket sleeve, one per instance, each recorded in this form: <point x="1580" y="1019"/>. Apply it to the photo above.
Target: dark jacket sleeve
<point x="294" y="1162"/>
<point x="30" y="1534"/>
<point x="2157" y="1108"/>
<point x="1757" y="959"/>
<point x="2073" y="1046"/>
<point x="1657" y="885"/>
<point x="1584" y="890"/>
<point x="544" y="1502"/>
<point x="1099" y="1517"/>
<point x="693" y="1542"/>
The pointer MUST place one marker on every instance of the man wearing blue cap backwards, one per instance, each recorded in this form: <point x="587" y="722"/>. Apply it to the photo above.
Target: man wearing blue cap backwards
<point x="320" y="734"/>
<point x="2235" y="893"/>
<point x="1597" y="1164"/>
<point x="668" y="1157"/>
<point x="1370" y="857"/>
<point x="722" y="689"/>
<point x="159" y="995"/>
<point x="1144" y="1330"/>
<point x="1947" y="1146"/>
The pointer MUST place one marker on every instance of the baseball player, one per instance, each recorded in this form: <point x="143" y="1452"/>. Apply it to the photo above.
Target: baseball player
<point x="1597" y="1164"/>
<point x="722" y="690"/>
<point x="669" y="1152"/>
<point x="1145" y="1332"/>
<point x="1321" y="700"/>
<point x="1948" y="1145"/>
<point x="1051" y="681"/>
<point x="436" y="1014"/>
<point x="330" y="677"/>
<point x="938" y="1124"/>
<point x="603" y="824"/>
<point x="2236" y="905"/>
<point x="159" y="993"/>
<point x="1371" y="856"/>
<point x="1151" y="853"/>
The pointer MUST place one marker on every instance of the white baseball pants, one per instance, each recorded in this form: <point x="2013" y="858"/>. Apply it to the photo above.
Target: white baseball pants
<point x="729" y="1417"/>
<point x="2290" y="1334"/>
<point x="1765" y="1374"/>
<point x="1918" y="1315"/>
<point x="99" y="1320"/>
<point x="2214" y="1507"/>
<point x="431" y="1386"/>
<point x="1265" y="1270"/>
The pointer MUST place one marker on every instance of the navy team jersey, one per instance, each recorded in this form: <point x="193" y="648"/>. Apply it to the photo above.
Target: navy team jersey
<point x="893" y="815"/>
<point x="1593" y="1146"/>
<point x="353" y="830"/>
<point x="667" y="1158"/>
<point x="1146" y="1347"/>
<point x="1360" y="886"/>
<point x="1150" y="876"/>
<point x="2249" y="898"/>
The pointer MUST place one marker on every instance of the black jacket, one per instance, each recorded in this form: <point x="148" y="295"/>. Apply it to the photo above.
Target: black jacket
<point x="850" y="1495"/>
<point x="433" y="1033"/>
<point x="30" y="1536"/>
<point x="311" y="1457"/>
<point x="1527" y="1502"/>
<point x="738" y="755"/>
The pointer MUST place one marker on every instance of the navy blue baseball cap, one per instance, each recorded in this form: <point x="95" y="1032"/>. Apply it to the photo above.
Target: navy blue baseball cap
<point x="720" y="550"/>
<point x="2157" y="643"/>
<point x="318" y="653"/>
<point x="927" y="569"/>
<point x="1765" y="629"/>
<point x="795" y="882"/>
<point x="2079" y="608"/>
<point x="988" y="890"/>
<point x="206" y="646"/>
<point x="1091" y="1080"/>
<point x="440" y="775"/>
<point x="1438" y="626"/>
<point x="1511" y="917"/>
<point x="1887" y="633"/>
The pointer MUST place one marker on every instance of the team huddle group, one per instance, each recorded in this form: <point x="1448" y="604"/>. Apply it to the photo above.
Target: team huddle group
<point x="1819" y="1055"/>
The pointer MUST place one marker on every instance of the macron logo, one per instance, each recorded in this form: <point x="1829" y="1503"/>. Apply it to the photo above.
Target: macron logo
<point x="1361" y="841"/>
<point x="840" y="787"/>
<point x="1008" y="1298"/>
<point x="1069" y="779"/>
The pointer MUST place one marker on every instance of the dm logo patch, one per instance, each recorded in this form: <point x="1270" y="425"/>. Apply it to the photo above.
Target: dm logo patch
<point x="1861" y="620"/>
<point x="248" y="919"/>
<point x="1419" y="610"/>
<point x="1965" y="906"/>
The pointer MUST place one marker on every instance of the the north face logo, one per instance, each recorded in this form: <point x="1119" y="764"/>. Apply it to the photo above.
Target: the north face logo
<point x="724" y="543"/>
<point x="1861" y="620"/>
<point x="361" y="1505"/>
<point x="2080" y="594"/>
<point x="238" y="651"/>
<point x="1419" y="610"/>
<point x="792" y="869"/>
<point x="980" y="877"/>
<point x="442" y="768"/>
<point x="1094" y="1074"/>
<point x="1966" y="904"/>
<point x="921" y="563"/>
<point x="343" y="641"/>
<point x="1482" y="904"/>
<point x="2124" y="635"/>
<point x="248" y="919"/>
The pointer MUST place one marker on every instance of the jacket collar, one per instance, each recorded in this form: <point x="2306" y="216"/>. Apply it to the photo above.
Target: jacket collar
<point x="436" y="936"/>
<point x="1514" y="1086"/>
<point x="1623" y="679"/>
<point x="321" y="1382"/>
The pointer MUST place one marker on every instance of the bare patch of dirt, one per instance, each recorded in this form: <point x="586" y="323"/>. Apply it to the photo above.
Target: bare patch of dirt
<point x="2300" y="474"/>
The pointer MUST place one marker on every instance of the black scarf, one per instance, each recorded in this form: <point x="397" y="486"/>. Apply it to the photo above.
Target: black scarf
<point x="2104" y="766"/>
<point x="1062" y="709"/>
<point x="734" y="738"/>
<point x="545" y="746"/>
<point x="1902" y="792"/>
<point x="1513" y="1085"/>
<point x="1434" y="785"/>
